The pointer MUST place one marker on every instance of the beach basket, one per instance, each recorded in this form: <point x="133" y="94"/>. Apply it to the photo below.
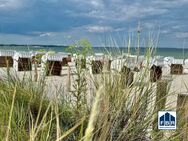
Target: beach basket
<point x="54" y="68"/>
<point x="97" y="66"/>
<point x="6" y="58"/>
<point x="52" y="63"/>
<point x="155" y="73"/>
<point x="176" y="69"/>
<point x="24" y="64"/>
<point x="23" y="61"/>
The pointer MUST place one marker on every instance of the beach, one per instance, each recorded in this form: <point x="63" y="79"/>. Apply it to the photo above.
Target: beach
<point x="178" y="84"/>
<point x="121" y="84"/>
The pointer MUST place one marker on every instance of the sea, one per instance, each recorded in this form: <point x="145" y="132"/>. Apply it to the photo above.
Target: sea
<point x="177" y="53"/>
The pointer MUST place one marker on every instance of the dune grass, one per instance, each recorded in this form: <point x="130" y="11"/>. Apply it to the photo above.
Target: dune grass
<point x="118" y="112"/>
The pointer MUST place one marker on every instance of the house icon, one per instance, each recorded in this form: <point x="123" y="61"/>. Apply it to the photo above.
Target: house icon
<point x="167" y="120"/>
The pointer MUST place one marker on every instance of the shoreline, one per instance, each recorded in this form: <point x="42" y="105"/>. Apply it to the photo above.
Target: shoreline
<point x="166" y="52"/>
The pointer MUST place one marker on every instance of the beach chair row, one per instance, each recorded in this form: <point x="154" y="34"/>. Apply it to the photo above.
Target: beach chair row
<point x="24" y="61"/>
<point x="52" y="64"/>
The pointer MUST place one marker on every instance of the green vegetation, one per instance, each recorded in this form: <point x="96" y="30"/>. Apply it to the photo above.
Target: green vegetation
<point x="118" y="112"/>
<point x="82" y="47"/>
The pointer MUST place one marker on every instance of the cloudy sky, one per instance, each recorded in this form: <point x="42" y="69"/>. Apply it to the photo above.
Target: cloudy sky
<point x="64" y="21"/>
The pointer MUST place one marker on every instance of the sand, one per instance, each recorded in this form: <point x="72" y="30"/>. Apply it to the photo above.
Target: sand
<point x="178" y="84"/>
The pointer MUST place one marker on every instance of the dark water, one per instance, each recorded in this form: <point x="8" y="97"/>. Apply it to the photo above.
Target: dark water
<point x="177" y="53"/>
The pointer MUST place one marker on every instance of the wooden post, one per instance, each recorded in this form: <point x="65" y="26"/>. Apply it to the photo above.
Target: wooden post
<point x="36" y="72"/>
<point x="160" y="102"/>
<point x="182" y="116"/>
<point x="68" y="79"/>
<point x="8" y="68"/>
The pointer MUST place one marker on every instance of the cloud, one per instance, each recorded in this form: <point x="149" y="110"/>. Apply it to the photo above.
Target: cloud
<point x="48" y="34"/>
<point x="92" y="3"/>
<point x="42" y="20"/>
<point x="164" y="31"/>
<point x="169" y="3"/>
<point x="98" y="29"/>
<point x="120" y="10"/>
<point x="182" y="35"/>
<point x="10" y="4"/>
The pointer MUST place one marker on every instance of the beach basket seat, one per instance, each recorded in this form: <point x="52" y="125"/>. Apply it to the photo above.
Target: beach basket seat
<point x="24" y="64"/>
<point x="97" y="66"/>
<point x="155" y="73"/>
<point x="6" y="61"/>
<point x="52" y="63"/>
<point x="176" y="69"/>
<point x="127" y="76"/>
<point x="22" y="61"/>
<point x="53" y="68"/>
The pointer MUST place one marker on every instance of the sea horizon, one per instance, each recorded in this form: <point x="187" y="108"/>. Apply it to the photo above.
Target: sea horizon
<point x="178" y="53"/>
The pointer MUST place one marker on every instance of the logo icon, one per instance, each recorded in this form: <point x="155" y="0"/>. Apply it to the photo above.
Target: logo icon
<point x="167" y="120"/>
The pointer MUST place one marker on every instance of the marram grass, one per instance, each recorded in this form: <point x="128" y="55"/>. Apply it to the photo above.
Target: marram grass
<point x="117" y="113"/>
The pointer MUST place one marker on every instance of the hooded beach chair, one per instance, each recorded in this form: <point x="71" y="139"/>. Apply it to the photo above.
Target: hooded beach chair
<point x="23" y="61"/>
<point x="6" y="58"/>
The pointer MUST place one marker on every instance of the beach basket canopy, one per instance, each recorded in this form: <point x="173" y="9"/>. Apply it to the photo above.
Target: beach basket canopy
<point x="7" y="53"/>
<point x="53" y="57"/>
<point x="18" y="55"/>
<point x="99" y="56"/>
<point x="178" y="61"/>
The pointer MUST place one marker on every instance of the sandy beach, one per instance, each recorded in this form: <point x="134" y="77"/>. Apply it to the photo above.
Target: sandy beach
<point x="178" y="84"/>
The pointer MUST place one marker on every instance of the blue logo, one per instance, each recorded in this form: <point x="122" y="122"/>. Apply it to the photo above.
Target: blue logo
<point x="167" y="120"/>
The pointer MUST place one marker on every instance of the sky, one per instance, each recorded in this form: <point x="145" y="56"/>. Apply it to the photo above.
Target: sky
<point x="102" y="22"/>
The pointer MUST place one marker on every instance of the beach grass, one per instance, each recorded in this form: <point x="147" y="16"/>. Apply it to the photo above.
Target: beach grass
<point x="118" y="112"/>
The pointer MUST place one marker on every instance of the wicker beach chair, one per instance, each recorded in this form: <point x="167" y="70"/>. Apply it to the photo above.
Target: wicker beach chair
<point x="6" y="58"/>
<point x="23" y="61"/>
<point x="52" y="63"/>
<point x="176" y="67"/>
<point x="155" y="73"/>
